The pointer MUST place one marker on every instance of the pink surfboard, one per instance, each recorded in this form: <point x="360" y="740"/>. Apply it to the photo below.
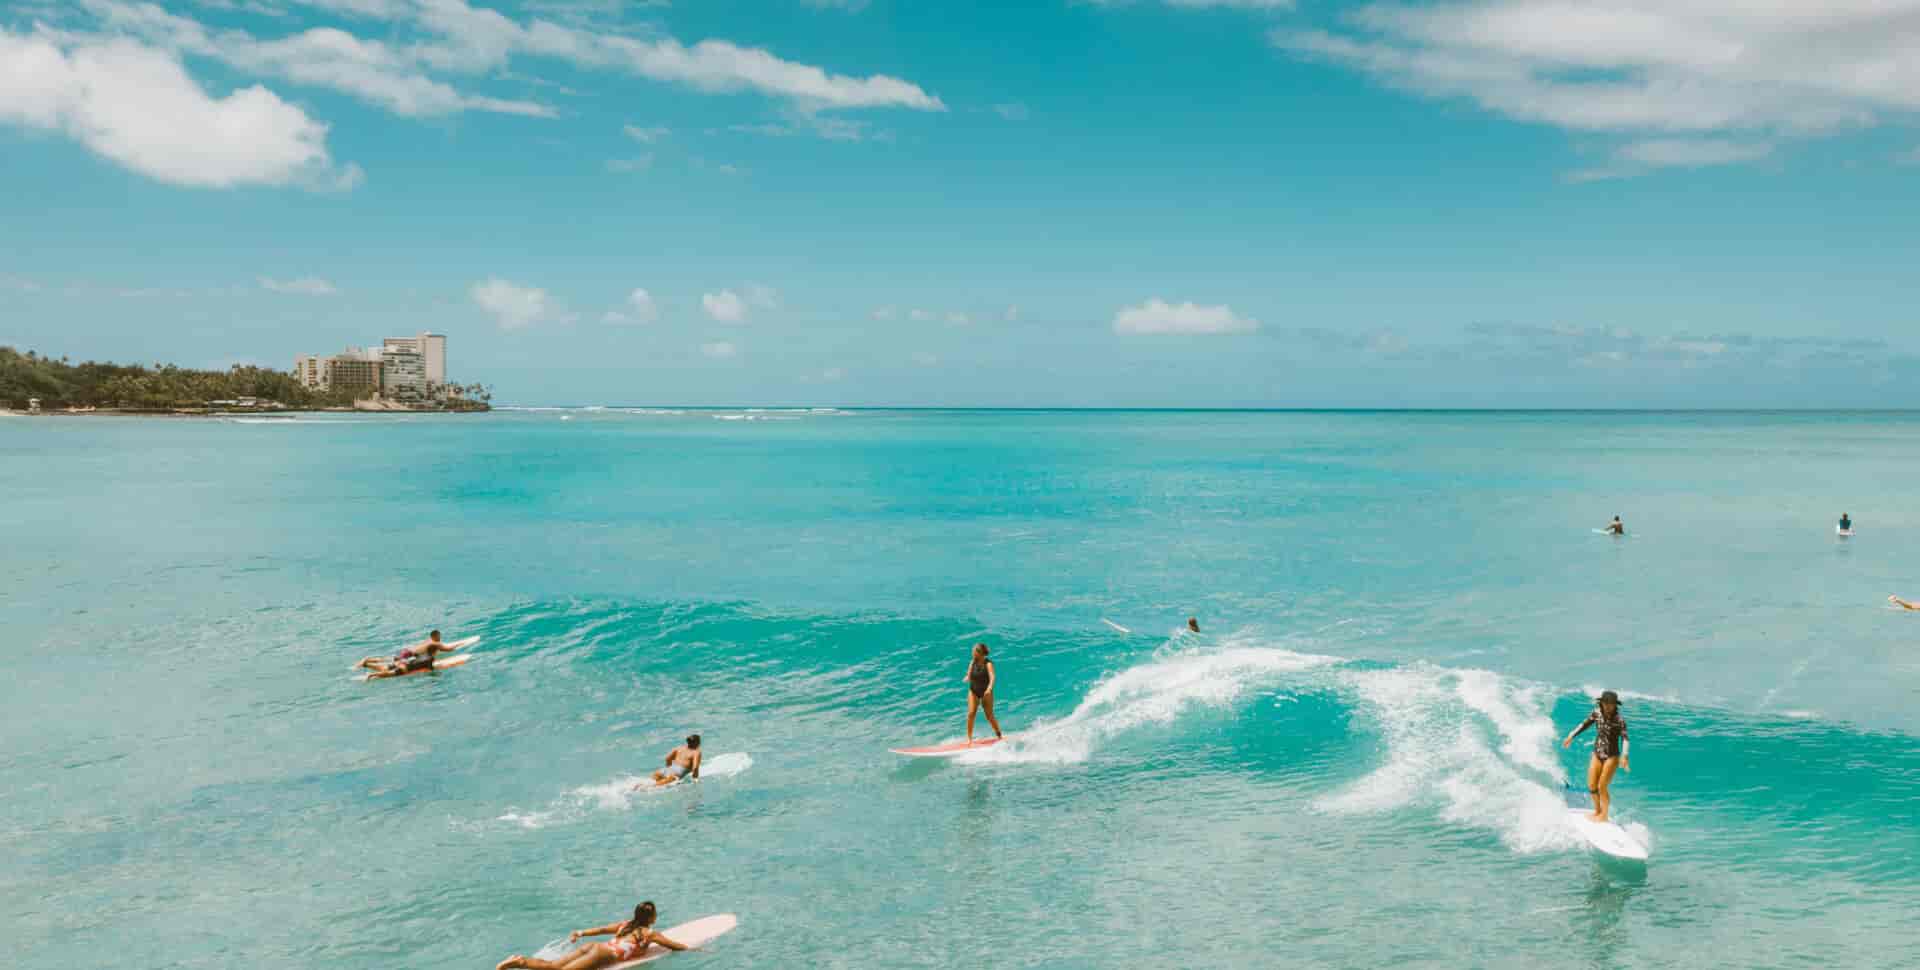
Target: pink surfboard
<point x="946" y="750"/>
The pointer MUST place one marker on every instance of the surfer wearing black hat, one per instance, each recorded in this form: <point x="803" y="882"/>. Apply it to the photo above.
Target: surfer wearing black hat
<point x="1609" y="750"/>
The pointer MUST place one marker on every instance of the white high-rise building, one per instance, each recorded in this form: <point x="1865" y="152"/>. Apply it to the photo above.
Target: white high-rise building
<point x="432" y="348"/>
<point x="403" y="373"/>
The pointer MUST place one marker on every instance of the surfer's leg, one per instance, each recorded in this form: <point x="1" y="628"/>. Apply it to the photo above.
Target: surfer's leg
<point x="1593" y="785"/>
<point x="973" y="707"/>
<point x="986" y="703"/>
<point x="1604" y="800"/>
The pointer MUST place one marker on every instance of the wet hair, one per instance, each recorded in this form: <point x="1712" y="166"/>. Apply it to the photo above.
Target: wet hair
<point x="979" y="649"/>
<point x="434" y="635"/>
<point x="1193" y="623"/>
<point x="643" y="917"/>
<point x="693" y="740"/>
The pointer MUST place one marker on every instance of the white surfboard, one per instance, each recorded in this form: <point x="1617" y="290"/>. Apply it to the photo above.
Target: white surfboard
<point x="1115" y="625"/>
<point x="1843" y="533"/>
<point x="700" y="932"/>
<point x="1607" y="837"/>
<point x="951" y="750"/>
<point x="718" y="766"/>
<point x="449" y="663"/>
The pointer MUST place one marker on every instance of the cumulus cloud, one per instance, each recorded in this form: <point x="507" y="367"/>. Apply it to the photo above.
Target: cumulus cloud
<point x="1160" y="317"/>
<point x="640" y="308"/>
<point x="301" y="286"/>
<point x="725" y="306"/>
<point x="137" y="106"/>
<point x="761" y="297"/>
<point x="1644" y="68"/>
<point x="512" y="305"/>
<point x="720" y="349"/>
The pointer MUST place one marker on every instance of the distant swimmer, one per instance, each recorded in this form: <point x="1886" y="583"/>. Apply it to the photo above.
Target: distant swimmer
<point x="1609" y="750"/>
<point x="409" y="660"/>
<point x="630" y="939"/>
<point x="1193" y="624"/>
<point x="1846" y="524"/>
<point x="980" y="677"/>
<point x="682" y="762"/>
<point x="1616" y="528"/>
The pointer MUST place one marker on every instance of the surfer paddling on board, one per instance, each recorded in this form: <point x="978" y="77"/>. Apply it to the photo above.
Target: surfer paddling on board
<point x="682" y="762"/>
<point x="1609" y="750"/>
<point x="979" y="680"/>
<point x="409" y="660"/>
<point x="1616" y="527"/>
<point x="630" y="939"/>
<point x="1903" y="604"/>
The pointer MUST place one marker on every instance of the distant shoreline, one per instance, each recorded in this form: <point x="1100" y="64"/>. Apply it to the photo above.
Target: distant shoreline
<point x="224" y="412"/>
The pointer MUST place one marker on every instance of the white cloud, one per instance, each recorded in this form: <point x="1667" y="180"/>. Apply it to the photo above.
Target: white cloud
<point x="137" y="106"/>
<point x="1645" y="68"/>
<point x="920" y="316"/>
<point x="885" y="312"/>
<point x="638" y="163"/>
<point x="512" y="305"/>
<point x="1012" y="313"/>
<point x="720" y="349"/>
<point x="646" y="135"/>
<point x="725" y="306"/>
<point x="301" y="286"/>
<point x="1642" y="157"/>
<point x="1158" y="316"/>
<point x="640" y="308"/>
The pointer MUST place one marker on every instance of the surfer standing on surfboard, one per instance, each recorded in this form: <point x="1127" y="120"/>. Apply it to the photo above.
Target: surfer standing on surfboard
<point x="630" y="940"/>
<point x="1609" y="750"/>
<point x="409" y="660"/>
<point x="980" y="690"/>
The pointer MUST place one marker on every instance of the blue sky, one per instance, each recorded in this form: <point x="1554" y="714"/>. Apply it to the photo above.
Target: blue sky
<point x="1047" y="203"/>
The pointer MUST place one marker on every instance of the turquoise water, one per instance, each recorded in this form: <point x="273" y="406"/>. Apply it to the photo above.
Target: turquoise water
<point x="1354" y="766"/>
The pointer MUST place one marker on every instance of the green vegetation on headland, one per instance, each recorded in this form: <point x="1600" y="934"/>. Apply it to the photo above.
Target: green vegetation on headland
<point x="59" y="384"/>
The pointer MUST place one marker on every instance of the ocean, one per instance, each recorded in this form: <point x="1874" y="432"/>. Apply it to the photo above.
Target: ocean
<point x="1354" y="764"/>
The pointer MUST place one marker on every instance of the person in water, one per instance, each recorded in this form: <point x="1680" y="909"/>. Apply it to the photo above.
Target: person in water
<point x="1903" y="604"/>
<point x="1846" y="524"/>
<point x="979" y="679"/>
<point x="409" y="660"/>
<point x="1193" y="624"/>
<point x="682" y="762"/>
<point x="1609" y="750"/>
<point x="1616" y="527"/>
<point x="630" y="939"/>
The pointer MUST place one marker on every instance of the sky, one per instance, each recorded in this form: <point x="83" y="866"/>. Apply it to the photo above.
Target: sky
<point x="1045" y="203"/>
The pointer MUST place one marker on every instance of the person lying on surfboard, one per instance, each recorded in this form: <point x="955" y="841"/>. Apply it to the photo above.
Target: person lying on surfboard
<point x="1609" y="750"/>
<point x="1903" y="604"/>
<point x="409" y="660"/>
<point x="979" y="680"/>
<point x="630" y="940"/>
<point x="682" y="762"/>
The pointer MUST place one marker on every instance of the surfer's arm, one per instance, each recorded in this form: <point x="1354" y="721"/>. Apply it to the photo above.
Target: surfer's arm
<point x="695" y="770"/>
<point x="991" y="675"/>
<point x="595" y="931"/>
<point x="1584" y="725"/>
<point x="669" y="944"/>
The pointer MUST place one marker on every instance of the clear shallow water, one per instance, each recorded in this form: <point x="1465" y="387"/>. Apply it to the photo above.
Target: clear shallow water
<point x="1355" y="766"/>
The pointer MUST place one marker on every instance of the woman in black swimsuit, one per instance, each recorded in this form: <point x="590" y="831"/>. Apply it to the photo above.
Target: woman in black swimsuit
<point x="1609" y="750"/>
<point x="980" y="689"/>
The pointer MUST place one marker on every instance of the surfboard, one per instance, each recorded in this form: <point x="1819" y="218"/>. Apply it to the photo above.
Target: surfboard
<point x="1115" y="625"/>
<point x="949" y="750"/>
<point x="438" y="665"/>
<point x="1607" y="532"/>
<point x="700" y="932"/>
<point x="1843" y="533"/>
<point x="1606" y="837"/>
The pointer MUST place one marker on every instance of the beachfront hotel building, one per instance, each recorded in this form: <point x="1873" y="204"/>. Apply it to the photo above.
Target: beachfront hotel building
<point x="401" y="368"/>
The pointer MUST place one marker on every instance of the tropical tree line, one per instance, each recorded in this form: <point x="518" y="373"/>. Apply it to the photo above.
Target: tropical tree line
<point x="60" y="383"/>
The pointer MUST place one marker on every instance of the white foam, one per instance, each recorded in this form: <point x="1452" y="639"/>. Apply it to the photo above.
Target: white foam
<point x="1473" y="744"/>
<point x="620" y="793"/>
<point x="1154" y="692"/>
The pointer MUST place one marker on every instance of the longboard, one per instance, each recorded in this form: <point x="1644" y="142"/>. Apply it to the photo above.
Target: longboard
<point x="700" y="932"/>
<point x="944" y="750"/>
<point x="1607" y="837"/>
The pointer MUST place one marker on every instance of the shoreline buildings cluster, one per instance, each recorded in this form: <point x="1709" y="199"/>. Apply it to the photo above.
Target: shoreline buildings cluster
<point x="405" y="370"/>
